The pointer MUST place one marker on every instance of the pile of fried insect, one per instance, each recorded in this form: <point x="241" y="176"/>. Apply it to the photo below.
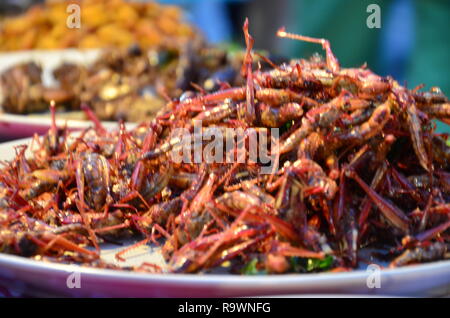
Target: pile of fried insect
<point x="359" y="167"/>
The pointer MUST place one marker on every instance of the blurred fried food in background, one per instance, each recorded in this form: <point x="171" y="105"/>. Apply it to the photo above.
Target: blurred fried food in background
<point x="104" y="23"/>
<point x="122" y="83"/>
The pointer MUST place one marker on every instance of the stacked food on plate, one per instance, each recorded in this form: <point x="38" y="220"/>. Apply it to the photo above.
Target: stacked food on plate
<point x="103" y="23"/>
<point x="302" y="167"/>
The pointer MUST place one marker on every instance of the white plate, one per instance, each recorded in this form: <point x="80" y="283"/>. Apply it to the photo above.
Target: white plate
<point x="41" y="278"/>
<point x="419" y="280"/>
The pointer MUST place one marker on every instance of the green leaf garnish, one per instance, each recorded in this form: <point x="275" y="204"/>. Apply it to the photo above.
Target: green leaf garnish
<point x="319" y="264"/>
<point x="289" y="124"/>
<point x="251" y="269"/>
<point x="311" y="264"/>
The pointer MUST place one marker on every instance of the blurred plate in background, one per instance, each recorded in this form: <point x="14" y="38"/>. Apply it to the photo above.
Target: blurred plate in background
<point x="14" y="126"/>
<point x="21" y="126"/>
<point x="418" y="280"/>
<point x="48" y="60"/>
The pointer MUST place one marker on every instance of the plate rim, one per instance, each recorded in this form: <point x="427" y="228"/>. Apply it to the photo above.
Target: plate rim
<point x="23" y="262"/>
